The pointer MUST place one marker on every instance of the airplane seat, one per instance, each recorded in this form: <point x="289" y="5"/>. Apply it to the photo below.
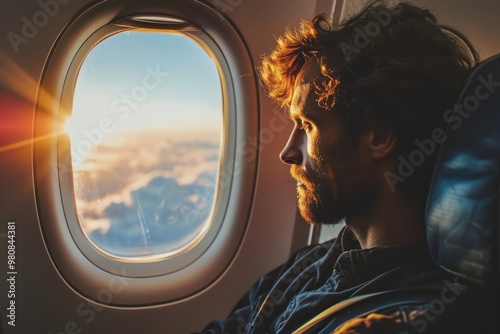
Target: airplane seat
<point x="462" y="220"/>
<point x="463" y="207"/>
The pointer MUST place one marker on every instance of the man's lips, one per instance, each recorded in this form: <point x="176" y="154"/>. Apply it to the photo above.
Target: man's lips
<point x="297" y="175"/>
<point x="301" y="181"/>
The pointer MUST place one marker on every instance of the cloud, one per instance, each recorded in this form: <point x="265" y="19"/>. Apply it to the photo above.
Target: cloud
<point x="151" y="196"/>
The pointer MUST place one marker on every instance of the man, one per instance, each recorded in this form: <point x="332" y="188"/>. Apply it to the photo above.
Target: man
<point x="361" y="97"/>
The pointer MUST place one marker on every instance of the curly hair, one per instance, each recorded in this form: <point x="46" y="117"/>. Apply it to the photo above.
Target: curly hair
<point x="390" y="64"/>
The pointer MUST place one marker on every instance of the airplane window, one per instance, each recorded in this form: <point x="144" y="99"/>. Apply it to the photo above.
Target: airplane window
<point x="146" y="138"/>
<point x="328" y="232"/>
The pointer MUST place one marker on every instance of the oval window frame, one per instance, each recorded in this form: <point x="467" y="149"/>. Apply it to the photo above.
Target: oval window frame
<point x="193" y="250"/>
<point x="161" y="280"/>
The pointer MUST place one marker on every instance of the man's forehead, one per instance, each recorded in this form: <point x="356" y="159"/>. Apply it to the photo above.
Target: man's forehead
<point x="309" y="72"/>
<point x="303" y="84"/>
<point x="299" y="99"/>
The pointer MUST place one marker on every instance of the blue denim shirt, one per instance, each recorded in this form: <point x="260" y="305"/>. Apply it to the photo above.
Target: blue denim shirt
<point x="320" y="276"/>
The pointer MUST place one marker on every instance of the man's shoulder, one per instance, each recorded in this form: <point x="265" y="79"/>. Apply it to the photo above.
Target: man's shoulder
<point x="312" y="252"/>
<point x="324" y="246"/>
<point x="470" y="313"/>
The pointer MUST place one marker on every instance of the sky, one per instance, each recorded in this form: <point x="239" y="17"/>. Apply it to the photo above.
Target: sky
<point x="151" y="197"/>
<point x="146" y="80"/>
<point x="145" y="134"/>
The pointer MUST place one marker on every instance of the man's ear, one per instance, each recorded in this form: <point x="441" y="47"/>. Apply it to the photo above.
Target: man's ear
<point x="381" y="141"/>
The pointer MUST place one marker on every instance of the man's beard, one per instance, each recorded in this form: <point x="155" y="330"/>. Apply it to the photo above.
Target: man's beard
<point x="317" y="198"/>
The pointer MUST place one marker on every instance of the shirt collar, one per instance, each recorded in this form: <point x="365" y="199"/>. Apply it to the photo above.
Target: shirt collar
<point x="358" y="265"/>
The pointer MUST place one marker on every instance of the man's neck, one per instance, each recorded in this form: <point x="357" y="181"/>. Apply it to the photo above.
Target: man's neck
<point x="395" y="219"/>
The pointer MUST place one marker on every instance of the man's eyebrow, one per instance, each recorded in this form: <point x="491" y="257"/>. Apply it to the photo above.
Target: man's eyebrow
<point x="308" y="114"/>
<point x="294" y="115"/>
<point x="301" y="113"/>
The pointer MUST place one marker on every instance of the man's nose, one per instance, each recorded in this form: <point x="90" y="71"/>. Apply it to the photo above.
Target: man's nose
<point x="292" y="153"/>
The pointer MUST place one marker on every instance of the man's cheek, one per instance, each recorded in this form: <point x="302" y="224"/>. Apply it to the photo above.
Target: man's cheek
<point x="313" y="148"/>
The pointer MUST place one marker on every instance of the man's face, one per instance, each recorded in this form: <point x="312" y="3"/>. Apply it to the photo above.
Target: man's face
<point x="322" y="161"/>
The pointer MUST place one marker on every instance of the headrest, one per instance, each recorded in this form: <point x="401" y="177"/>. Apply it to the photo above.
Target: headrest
<point x="462" y="216"/>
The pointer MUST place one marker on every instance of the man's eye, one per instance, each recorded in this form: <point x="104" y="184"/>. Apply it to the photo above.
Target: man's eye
<point x="307" y="126"/>
<point x="303" y="125"/>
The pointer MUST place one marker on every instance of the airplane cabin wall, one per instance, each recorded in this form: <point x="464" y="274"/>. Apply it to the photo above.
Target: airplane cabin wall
<point x="45" y="302"/>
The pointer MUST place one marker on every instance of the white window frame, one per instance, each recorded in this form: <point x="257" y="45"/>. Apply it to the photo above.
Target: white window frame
<point x="155" y="280"/>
